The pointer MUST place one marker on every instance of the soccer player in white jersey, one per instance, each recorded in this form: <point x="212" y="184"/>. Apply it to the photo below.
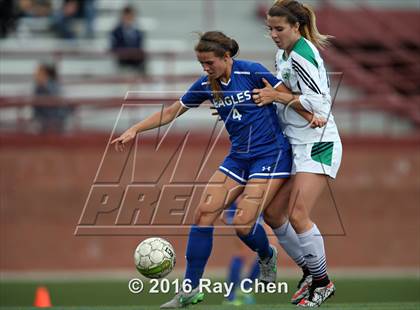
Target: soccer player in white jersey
<point x="257" y="165"/>
<point x="316" y="152"/>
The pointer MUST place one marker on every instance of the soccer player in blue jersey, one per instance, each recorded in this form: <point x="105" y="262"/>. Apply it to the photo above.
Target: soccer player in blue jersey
<point x="258" y="164"/>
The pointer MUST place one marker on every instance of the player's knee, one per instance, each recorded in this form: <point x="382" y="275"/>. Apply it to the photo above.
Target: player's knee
<point x="270" y="221"/>
<point x="205" y="216"/>
<point x="298" y="216"/>
<point x="271" y="218"/>
<point x="205" y="219"/>
<point x="243" y="225"/>
<point x="243" y="230"/>
<point x="274" y="219"/>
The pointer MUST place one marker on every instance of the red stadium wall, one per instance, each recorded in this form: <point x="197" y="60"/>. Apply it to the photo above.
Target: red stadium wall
<point x="44" y="187"/>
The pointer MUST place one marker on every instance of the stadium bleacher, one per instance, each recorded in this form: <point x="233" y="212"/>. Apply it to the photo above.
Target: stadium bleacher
<point x="376" y="49"/>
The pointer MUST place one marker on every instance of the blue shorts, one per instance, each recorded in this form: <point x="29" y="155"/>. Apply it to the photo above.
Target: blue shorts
<point x="263" y="167"/>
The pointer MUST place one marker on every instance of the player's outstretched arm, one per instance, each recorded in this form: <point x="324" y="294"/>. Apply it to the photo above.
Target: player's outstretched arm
<point x="155" y="120"/>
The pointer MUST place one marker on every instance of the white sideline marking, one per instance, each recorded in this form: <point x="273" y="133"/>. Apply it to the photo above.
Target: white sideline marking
<point x="124" y="274"/>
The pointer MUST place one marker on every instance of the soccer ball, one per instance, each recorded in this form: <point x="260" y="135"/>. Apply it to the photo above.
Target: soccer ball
<point x="154" y="258"/>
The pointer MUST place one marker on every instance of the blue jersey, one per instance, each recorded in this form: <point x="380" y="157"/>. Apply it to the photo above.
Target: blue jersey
<point x="253" y="130"/>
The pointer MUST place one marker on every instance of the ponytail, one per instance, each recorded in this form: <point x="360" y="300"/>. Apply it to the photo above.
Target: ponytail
<point x="310" y="31"/>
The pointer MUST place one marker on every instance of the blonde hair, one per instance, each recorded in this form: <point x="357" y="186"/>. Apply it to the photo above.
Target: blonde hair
<point x="296" y="12"/>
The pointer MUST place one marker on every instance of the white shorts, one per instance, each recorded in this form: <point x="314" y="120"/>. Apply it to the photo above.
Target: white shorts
<point x="318" y="157"/>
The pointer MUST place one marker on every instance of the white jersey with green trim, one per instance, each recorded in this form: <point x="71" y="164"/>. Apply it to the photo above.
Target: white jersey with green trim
<point x="303" y="72"/>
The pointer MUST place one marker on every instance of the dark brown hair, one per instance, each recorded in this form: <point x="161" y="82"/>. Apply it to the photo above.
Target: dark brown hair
<point x="220" y="44"/>
<point x="128" y="10"/>
<point x="296" y="12"/>
<point x="50" y="70"/>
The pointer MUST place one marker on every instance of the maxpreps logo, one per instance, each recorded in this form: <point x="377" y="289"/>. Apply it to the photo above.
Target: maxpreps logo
<point x="156" y="183"/>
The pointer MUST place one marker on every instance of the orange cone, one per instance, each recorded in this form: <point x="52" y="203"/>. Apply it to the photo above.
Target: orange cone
<point x="42" y="297"/>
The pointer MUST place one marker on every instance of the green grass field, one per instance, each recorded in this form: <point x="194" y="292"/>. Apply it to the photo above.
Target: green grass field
<point x="339" y="306"/>
<point x="369" y="294"/>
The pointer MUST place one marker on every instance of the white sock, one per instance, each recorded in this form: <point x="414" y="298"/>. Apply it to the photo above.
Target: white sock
<point x="288" y="239"/>
<point x="312" y="245"/>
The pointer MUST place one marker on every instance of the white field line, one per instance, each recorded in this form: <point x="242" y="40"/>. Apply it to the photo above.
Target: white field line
<point x="127" y="274"/>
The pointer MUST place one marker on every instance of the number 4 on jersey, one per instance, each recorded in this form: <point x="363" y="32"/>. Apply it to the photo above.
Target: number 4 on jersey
<point x="236" y="115"/>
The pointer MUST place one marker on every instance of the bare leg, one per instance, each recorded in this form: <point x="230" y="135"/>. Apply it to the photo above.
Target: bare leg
<point x="307" y="188"/>
<point x="219" y="193"/>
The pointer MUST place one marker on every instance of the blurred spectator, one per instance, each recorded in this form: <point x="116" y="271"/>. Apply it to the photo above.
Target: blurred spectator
<point x="71" y="11"/>
<point x="47" y="90"/>
<point x="8" y="16"/>
<point x="35" y="8"/>
<point x="127" y="41"/>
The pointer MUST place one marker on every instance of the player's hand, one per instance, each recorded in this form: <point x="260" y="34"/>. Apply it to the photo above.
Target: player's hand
<point x="264" y="95"/>
<point x="318" y="122"/>
<point x="122" y="140"/>
<point x="214" y="112"/>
